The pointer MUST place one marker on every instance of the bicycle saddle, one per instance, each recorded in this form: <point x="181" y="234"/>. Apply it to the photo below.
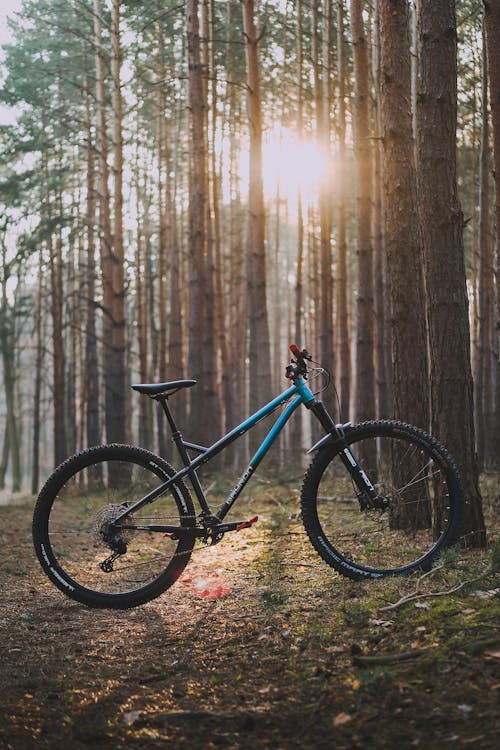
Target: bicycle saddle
<point x="155" y="389"/>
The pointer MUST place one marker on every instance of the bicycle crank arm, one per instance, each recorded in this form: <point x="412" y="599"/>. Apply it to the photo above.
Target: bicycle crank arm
<point x="235" y="525"/>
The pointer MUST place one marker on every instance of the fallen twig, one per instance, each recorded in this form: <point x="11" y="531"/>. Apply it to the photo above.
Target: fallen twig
<point x="388" y="658"/>
<point x="415" y="595"/>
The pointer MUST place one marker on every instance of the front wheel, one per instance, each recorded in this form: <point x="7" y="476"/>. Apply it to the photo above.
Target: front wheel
<point x="420" y="509"/>
<point x="73" y="527"/>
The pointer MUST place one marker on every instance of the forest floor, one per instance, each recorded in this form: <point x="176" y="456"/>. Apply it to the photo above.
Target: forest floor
<point x="258" y="645"/>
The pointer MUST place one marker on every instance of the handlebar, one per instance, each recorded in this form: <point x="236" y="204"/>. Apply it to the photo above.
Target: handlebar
<point x="298" y="366"/>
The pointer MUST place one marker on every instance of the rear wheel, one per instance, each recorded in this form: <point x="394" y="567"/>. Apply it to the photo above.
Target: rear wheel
<point x="73" y="527"/>
<point x="422" y="502"/>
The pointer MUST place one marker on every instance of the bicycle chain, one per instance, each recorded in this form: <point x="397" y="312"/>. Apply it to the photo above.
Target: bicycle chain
<point x="175" y="554"/>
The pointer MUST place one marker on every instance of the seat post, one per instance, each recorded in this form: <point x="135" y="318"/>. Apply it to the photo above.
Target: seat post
<point x="163" y="401"/>
<point x="176" y="434"/>
<point x="177" y="438"/>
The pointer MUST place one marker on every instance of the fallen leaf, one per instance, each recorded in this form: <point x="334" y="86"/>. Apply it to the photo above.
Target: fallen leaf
<point x="492" y="654"/>
<point x="486" y="594"/>
<point x="342" y="719"/>
<point x="131" y="717"/>
<point x="382" y="623"/>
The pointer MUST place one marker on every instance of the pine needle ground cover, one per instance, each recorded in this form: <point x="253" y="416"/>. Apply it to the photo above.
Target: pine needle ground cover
<point x="258" y="645"/>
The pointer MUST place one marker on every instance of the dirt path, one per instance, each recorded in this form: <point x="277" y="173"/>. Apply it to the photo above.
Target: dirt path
<point x="289" y="656"/>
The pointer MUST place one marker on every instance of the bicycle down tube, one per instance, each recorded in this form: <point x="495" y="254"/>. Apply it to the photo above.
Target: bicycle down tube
<point x="303" y="395"/>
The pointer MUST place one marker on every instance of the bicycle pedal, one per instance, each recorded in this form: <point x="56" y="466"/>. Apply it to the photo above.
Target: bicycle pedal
<point x="247" y="524"/>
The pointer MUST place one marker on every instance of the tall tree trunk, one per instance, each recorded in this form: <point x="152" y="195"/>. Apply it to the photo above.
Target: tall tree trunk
<point x="175" y="334"/>
<point x="474" y="243"/>
<point x="485" y="277"/>
<point x="203" y="401"/>
<point x="105" y="236"/>
<point x="492" y="29"/>
<point x="92" y="377"/>
<point x="238" y="378"/>
<point x="116" y="376"/>
<point x="382" y="319"/>
<point x="58" y="350"/>
<point x="321" y="67"/>
<point x="141" y="296"/>
<point x="403" y="243"/>
<point x="37" y="386"/>
<point x="8" y="340"/>
<point x="342" y="312"/>
<point x="365" y="375"/>
<point x="259" y="350"/>
<point x="163" y="230"/>
<point x="298" y="322"/>
<point x="451" y="392"/>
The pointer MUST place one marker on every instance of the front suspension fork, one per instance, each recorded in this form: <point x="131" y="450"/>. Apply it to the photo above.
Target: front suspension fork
<point x="368" y="495"/>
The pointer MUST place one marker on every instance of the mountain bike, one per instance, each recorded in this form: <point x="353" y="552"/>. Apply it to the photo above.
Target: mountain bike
<point x="115" y="525"/>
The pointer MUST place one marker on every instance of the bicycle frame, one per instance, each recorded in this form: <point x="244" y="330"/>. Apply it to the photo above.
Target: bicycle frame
<point x="299" y="392"/>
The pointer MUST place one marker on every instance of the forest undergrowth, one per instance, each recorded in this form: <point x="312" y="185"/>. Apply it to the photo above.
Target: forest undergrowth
<point x="258" y="645"/>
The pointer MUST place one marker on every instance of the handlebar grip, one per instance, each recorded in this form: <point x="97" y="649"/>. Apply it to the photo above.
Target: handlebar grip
<point x="295" y="350"/>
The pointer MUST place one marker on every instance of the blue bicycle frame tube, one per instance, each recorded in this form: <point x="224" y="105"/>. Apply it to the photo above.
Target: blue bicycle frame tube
<point x="303" y="396"/>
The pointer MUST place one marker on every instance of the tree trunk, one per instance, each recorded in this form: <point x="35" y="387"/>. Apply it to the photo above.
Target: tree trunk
<point x="342" y="312"/>
<point x="298" y="324"/>
<point x="37" y="386"/>
<point x="8" y="340"/>
<point x="141" y="265"/>
<point x="451" y="392"/>
<point x="163" y="231"/>
<point x="116" y="377"/>
<point x="91" y="378"/>
<point x="321" y="68"/>
<point x="203" y="402"/>
<point x="105" y="237"/>
<point x="403" y="242"/>
<point x="492" y="29"/>
<point x="365" y="375"/>
<point x="259" y="350"/>
<point x="402" y="236"/>
<point x="383" y="337"/>
<point x="485" y="276"/>
<point x="238" y="376"/>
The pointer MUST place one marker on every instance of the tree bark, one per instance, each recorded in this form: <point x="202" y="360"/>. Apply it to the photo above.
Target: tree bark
<point x="203" y="401"/>
<point x="484" y="391"/>
<point x="321" y="68"/>
<point x="365" y="374"/>
<point x="259" y="350"/>
<point x="451" y="392"/>
<point x="116" y="377"/>
<point x="342" y="311"/>
<point x="403" y="243"/>
<point x="107" y="251"/>
<point x="91" y="379"/>
<point x="11" y="451"/>
<point x="383" y="334"/>
<point x="492" y="29"/>
<point x="37" y="385"/>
